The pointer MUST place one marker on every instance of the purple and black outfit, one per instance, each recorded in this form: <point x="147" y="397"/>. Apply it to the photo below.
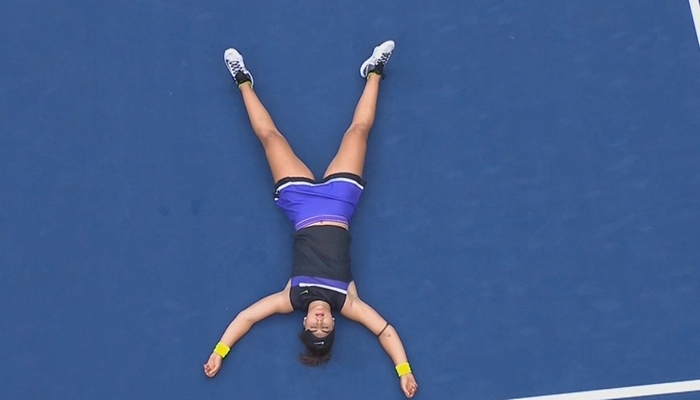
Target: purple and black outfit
<point x="321" y="269"/>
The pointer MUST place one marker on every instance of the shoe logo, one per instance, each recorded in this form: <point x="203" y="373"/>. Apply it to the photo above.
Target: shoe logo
<point x="304" y="291"/>
<point x="321" y="343"/>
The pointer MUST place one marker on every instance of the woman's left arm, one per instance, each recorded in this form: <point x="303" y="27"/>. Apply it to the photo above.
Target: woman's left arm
<point x="357" y="310"/>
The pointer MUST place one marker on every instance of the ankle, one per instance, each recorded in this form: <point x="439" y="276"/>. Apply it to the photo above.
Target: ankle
<point x="377" y="70"/>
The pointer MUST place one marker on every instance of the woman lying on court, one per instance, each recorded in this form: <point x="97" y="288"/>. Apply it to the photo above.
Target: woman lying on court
<point x="321" y="283"/>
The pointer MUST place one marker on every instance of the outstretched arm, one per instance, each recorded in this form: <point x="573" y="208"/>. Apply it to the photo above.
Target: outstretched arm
<point x="276" y="303"/>
<point x="359" y="311"/>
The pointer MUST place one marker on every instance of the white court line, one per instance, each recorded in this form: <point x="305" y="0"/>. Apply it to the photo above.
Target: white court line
<point x="695" y="10"/>
<point x="624" y="392"/>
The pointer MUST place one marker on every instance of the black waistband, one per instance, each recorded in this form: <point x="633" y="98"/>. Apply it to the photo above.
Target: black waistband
<point x="346" y="175"/>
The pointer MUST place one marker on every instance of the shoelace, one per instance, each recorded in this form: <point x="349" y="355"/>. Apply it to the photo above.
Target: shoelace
<point x="235" y="66"/>
<point x="384" y="58"/>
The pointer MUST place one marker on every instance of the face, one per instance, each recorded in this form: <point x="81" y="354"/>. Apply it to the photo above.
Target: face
<point x="319" y="321"/>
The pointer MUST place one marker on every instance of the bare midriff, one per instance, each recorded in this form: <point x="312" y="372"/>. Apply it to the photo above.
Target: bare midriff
<point x="330" y="223"/>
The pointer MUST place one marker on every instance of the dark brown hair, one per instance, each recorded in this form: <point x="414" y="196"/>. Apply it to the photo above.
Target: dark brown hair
<point x="314" y="356"/>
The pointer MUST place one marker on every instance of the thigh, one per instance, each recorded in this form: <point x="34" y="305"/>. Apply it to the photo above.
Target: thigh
<point x="351" y="154"/>
<point x="282" y="160"/>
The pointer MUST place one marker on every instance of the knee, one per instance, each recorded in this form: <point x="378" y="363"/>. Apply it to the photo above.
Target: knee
<point x="359" y="128"/>
<point x="267" y="136"/>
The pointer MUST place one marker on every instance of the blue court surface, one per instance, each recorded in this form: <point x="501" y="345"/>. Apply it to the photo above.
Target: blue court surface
<point x="531" y="223"/>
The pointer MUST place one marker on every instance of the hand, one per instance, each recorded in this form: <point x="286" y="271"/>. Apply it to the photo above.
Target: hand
<point x="213" y="365"/>
<point x="409" y="385"/>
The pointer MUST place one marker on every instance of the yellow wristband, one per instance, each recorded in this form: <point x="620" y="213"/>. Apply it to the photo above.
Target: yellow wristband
<point x="221" y="349"/>
<point x="403" y="369"/>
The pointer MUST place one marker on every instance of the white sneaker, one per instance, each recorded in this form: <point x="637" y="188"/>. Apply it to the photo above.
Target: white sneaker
<point x="376" y="62"/>
<point x="235" y="65"/>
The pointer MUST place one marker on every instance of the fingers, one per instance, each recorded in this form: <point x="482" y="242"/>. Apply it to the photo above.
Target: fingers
<point x="410" y="392"/>
<point x="210" y="370"/>
<point x="409" y="386"/>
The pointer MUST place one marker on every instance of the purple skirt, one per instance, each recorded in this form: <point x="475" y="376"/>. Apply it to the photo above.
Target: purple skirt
<point x="306" y="202"/>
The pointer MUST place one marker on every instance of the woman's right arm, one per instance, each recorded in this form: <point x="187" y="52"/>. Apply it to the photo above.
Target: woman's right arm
<point x="276" y="303"/>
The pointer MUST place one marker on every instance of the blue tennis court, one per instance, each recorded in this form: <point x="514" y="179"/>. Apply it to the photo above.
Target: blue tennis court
<point x="530" y="224"/>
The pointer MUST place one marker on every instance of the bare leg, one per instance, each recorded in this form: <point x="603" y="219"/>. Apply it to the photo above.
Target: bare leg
<point x="351" y="154"/>
<point x="283" y="162"/>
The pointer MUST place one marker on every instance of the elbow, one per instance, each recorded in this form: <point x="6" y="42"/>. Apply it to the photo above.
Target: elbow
<point x="389" y="332"/>
<point x="245" y="317"/>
